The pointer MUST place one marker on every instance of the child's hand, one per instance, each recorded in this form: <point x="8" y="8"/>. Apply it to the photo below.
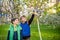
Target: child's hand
<point x="35" y="13"/>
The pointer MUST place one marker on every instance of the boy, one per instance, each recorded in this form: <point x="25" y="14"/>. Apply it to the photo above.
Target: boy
<point x="14" y="32"/>
<point x="26" y="27"/>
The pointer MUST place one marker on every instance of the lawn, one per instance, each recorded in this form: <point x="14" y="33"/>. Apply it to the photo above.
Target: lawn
<point x="47" y="32"/>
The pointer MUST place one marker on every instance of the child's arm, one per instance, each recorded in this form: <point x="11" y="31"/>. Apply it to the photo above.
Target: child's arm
<point x="31" y="19"/>
<point x="8" y="35"/>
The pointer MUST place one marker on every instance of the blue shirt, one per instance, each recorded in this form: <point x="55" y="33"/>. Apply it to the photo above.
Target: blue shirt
<point x="25" y="29"/>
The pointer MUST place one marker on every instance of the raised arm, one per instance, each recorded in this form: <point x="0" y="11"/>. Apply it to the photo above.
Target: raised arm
<point x="31" y="19"/>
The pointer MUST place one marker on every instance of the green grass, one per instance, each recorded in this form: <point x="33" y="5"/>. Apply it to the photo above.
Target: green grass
<point x="48" y="32"/>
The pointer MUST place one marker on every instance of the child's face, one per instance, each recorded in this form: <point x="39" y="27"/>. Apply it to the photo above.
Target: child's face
<point x="16" y="21"/>
<point x="23" y="19"/>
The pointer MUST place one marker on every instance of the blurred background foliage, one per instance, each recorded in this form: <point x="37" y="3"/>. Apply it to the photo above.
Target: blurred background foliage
<point x="48" y="11"/>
